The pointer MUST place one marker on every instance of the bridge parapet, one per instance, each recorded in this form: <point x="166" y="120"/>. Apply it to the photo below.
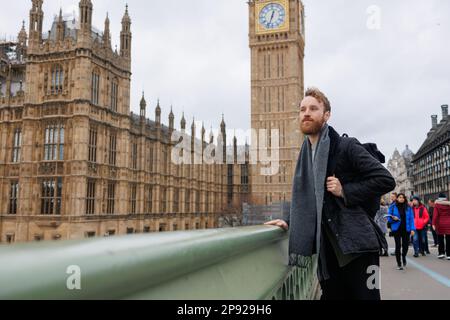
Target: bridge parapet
<point x="246" y="263"/>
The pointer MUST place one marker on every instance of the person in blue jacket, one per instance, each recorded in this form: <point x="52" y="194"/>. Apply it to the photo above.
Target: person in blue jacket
<point x="401" y="219"/>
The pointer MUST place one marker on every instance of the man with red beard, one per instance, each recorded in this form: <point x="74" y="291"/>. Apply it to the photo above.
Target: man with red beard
<point x="336" y="191"/>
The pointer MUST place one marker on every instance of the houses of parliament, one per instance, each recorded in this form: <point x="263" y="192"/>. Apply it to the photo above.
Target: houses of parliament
<point x="75" y="162"/>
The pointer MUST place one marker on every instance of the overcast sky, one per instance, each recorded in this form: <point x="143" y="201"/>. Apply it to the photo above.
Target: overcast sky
<point x="384" y="84"/>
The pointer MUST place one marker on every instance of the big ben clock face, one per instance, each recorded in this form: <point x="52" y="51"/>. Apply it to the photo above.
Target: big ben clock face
<point x="272" y="16"/>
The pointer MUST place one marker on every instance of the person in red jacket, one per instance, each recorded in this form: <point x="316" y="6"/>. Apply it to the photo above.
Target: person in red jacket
<point x="441" y="223"/>
<point x="421" y="219"/>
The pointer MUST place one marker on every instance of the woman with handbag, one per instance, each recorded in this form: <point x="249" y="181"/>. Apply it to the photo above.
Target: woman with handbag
<point x="401" y="218"/>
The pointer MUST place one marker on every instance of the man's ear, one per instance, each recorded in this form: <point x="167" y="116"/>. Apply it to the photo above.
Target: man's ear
<point x="327" y="116"/>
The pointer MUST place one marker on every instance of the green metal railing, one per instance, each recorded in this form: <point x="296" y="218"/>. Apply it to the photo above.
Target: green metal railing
<point x="247" y="263"/>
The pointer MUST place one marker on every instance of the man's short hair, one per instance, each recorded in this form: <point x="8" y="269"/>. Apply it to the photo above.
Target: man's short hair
<point x="320" y="96"/>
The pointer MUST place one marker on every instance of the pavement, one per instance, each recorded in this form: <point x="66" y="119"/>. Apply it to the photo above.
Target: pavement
<point x="425" y="278"/>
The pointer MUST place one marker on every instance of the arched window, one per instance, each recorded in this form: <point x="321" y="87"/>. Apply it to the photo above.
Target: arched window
<point x="95" y="89"/>
<point x="112" y="149"/>
<point x="134" y="154"/>
<point x="17" y="145"/>
<point x="110" y="208"/>
<point x="90" y="197"/>
<point x="148" y="199"/>
<point x="176" y="199"/>
<point x="57" y="79"/>
<point x="93" y="134"/>
<point x="51" y="196"/>
<point x="13" y="199"/>
<point x="54" y="142"/>
<point x="133" y="192"/>
<point x="114" y="94"/>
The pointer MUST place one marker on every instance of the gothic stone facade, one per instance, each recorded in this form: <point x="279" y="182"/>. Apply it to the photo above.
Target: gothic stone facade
<point x="432" y="161"/>
<point x="401" y="168"/>
<point x="75" y="163"/>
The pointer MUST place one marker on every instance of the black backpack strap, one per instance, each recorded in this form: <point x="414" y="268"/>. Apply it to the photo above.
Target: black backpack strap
<point x="341" y="146"/>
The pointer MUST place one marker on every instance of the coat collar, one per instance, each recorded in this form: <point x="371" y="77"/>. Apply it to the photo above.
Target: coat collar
<point x="334" y="144"/>
<point x="335" y="138"/>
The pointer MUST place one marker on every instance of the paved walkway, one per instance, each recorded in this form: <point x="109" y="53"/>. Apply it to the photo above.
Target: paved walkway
<point x="425" y="278"/>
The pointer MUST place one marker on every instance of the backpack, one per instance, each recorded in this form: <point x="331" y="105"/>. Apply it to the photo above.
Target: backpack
<point x="372" y="148"/>
<point x="377" y="155"/>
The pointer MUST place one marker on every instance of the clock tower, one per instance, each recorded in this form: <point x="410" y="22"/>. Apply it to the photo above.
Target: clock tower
<point x="277" y="43"/>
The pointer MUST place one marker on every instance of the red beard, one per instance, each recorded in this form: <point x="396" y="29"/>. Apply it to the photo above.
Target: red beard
<point x="311" y="127"/>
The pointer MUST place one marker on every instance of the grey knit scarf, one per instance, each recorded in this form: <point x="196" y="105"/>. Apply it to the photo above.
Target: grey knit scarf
<point x="307" y="201"/>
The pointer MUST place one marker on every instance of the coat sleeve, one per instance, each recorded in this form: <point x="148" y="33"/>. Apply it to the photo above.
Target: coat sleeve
<point x="412" y="221"/>
<point x="287" y="218"/>
<point x="375" y="180"/>
<point x="390" y="213"/>
<point x="390" y="220"/>
<point x="426" y="217"/>
<point x="436" y="216"/>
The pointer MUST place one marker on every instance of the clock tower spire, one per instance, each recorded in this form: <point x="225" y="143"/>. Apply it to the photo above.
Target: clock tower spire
<point x="277" y="43"/>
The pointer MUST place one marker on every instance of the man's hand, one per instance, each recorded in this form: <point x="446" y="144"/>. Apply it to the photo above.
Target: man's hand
<point x="334" y="186"/>
<point x="395" y="219"/>
<point x="278" y="223"/>
<point x="413" y="233"/>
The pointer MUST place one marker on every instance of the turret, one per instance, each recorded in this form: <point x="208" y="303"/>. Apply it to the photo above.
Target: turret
<point x="158" y="114"/>
<point x="171" y="120"/>
<point x="125" y="36"/>
<point x="203" y="132"/>
<point x="60" y="27"/>
<point x="22" y="37"/>
<point x="211" y="137"/>
<point x="223" y="130"/>
<point x="85" y="17"/>
<point x="193" y="129"/>
<point x="143" y="106"/>
<point x="107" y="34"/>
<point x="183" y="123"/>
<point x="235" y="149"/>
<point x="36" y="20"/>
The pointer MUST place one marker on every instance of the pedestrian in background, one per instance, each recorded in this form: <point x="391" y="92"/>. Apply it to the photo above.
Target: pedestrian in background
<point x="410" y="204"/>
<point x="421" y="219"/>
<point x="381" y="220"/>
<point x="431" y="204"/>
<point x="394" y="196"/>
<point x="401" y="218"/>
<point x="441" y="224"/>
